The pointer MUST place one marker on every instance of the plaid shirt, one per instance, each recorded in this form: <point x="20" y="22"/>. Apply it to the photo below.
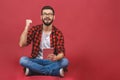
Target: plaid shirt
<point x="56" y="40"/>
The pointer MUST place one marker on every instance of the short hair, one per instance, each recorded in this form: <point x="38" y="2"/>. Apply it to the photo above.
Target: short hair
<point x="48" y="7"/>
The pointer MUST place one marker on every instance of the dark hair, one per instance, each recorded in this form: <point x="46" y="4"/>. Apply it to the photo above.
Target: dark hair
<point x="48" y="7"/>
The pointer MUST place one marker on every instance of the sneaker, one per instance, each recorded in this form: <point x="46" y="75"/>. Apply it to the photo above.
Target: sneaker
<point x="27" y="71"/>
<point x="61" y="72"/>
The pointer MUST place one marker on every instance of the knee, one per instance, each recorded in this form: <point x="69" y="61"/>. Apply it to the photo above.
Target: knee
<point x="64" y="62"/>
<point x="23" y="60"/>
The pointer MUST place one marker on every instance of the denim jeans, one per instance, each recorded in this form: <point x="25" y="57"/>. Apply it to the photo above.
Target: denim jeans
<point x="42" y="66"/>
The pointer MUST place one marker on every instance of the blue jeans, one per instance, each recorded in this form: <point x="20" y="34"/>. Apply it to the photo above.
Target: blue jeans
<point x="45" y="67"/>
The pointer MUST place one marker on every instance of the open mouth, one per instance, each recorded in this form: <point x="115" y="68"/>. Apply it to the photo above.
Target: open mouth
<point x="47" y="19"/>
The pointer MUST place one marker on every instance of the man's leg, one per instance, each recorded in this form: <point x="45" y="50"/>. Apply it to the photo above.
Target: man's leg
<point x="42" y="61"/>
<point x="63" y="64"/>
<point x="35" y="66"/>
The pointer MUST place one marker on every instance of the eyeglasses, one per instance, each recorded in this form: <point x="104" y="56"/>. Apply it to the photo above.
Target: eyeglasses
<point x="49" y="14"/>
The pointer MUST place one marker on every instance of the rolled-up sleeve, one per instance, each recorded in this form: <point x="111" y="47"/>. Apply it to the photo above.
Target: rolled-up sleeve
<point x="30" y="35"/>
<point x="60" y="43"/>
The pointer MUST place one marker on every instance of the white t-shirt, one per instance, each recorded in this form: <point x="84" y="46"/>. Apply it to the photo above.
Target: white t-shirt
<point x="45" y="43"/>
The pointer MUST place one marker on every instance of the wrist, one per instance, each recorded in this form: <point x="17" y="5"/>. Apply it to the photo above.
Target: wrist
<point x="26" y="28"/>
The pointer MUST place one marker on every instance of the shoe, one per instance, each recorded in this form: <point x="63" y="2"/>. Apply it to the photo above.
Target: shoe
<point x="61" y="72"/>
<point x="27" y="71"/>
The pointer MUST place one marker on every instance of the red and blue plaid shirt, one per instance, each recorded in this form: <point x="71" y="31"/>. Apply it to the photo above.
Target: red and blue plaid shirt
<point x="56" y="40"/>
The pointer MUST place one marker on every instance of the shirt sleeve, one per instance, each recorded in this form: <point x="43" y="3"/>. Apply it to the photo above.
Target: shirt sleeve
<point x="60" y="43"/>
<point x="30" y="35"/>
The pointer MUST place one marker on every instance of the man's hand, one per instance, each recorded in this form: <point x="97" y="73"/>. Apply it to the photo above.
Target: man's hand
<point x="28" y="22"/>
<point x="52" y="57"/>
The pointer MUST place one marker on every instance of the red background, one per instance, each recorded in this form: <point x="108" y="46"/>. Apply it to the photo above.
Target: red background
<point x="91" y="29"/>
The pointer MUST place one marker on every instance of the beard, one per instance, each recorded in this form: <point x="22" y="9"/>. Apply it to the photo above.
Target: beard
<point x="47" y="21"/>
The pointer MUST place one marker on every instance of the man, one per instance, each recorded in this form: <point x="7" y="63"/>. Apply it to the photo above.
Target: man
<point x="44" y="36"/>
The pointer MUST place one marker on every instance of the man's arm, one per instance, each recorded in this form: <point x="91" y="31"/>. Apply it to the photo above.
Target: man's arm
<point x="60" y="47"/>
<point x="59" y="56"/>
<point x="23" y="37"/>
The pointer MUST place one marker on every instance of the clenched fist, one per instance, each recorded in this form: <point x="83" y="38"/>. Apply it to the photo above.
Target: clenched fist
<point x="28" y="22"/>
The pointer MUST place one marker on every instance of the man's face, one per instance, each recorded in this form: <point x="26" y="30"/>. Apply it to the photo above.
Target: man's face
<point x="47" y="17"/>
